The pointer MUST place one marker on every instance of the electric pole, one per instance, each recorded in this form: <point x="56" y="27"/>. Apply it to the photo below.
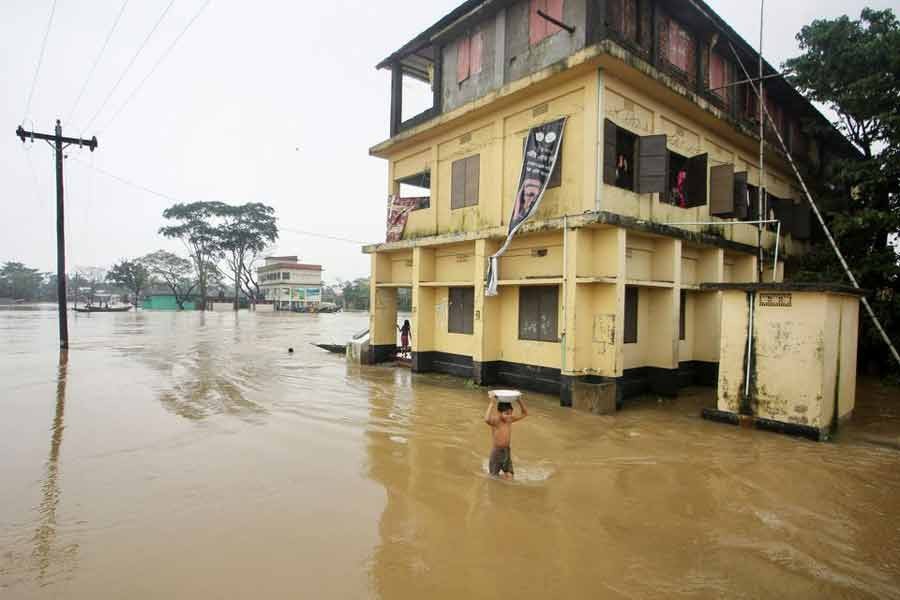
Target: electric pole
<point x="59" y="143"/>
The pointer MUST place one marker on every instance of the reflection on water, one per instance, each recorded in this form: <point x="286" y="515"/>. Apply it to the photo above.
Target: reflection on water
<point x="203" y="460"/>
<point x="48" y="554"/>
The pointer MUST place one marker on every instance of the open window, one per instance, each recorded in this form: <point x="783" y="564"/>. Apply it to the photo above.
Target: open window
<point x="802" y="221"/>
<point x="686" y="180"/>
<point x="782" y="209"/>
<point x="417" y="186"/>
<point x="631" y="315"/>
<point x="619" y="154"/>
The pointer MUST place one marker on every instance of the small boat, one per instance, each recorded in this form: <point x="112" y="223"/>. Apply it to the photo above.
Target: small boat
<point x="101" y="309"/>
<point x="333" y="348"/>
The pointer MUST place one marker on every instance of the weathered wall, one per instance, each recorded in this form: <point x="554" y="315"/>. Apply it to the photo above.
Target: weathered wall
<point x="804" y="357"/>
<point x="456" y="93"/>
<point x="522" y="59"/>
<point x="640" y="112"/>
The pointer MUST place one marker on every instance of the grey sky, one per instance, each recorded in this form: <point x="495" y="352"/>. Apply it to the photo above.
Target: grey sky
<point x="276" y="102"/>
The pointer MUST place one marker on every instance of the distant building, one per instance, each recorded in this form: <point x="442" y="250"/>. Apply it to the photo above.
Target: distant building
<point x="289" y="284"/>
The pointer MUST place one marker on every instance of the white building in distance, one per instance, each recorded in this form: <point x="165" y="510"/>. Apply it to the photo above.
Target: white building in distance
<point x="289" y="284"/>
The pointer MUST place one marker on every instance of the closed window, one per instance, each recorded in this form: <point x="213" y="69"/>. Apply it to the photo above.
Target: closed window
<point x="462" y="309"/>
<point x="539" y="27"/>
<point x="539" y="313"/>
<point x="680" y="50"/>
<point x="464" y="182"/>
<point x="468" y="56"/>
<point x="719" y="76"/>
<point x="631" y="315"/>
<point x="285" y="276"/>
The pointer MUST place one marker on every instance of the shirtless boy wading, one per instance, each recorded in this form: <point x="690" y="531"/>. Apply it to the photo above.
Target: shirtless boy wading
<point x="500" y="463"/>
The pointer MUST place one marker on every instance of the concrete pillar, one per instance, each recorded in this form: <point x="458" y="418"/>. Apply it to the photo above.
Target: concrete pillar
<point x="665" y="303"/>
<point x="486" y="323"/>
<point x="382" y="311"/>
<point x="423" y="298"/>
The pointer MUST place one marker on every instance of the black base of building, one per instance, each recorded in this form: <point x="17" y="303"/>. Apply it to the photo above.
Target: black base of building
<point x="793" y="429"/>
<point x="380" y="354"/>
<point x="442" y="362"/>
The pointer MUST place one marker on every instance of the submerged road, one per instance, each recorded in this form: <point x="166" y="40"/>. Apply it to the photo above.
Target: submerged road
<point x="189" y="455"/>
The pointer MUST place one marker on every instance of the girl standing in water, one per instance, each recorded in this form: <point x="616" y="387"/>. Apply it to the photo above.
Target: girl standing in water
<point x="404" y="336"/>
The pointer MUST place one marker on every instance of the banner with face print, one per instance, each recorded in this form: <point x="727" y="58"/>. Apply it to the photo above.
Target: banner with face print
<point x="538" y="161"/>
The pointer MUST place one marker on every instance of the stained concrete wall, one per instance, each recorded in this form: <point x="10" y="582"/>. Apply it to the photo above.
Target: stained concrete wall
<point x="522" y="59"/>
<point x="456" y="93"/>
<point x="803" y="357"/>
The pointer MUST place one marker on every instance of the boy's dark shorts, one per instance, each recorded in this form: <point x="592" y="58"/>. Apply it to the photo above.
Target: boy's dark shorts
<point x="501" y="460"/>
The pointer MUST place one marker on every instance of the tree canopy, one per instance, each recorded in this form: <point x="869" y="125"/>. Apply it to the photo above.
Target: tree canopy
<point x="175" y="272"/>
<point x="853" y="67"/>
<point x="132" y="275"/>
<point x="194" y="226"/>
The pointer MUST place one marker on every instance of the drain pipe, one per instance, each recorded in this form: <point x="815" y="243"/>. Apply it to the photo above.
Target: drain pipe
<point x="745" y="403"/>
<point x="565" y="280"/>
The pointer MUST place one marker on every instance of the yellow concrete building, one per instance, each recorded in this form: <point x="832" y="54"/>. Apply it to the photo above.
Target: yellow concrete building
<point x="600" y="292"/>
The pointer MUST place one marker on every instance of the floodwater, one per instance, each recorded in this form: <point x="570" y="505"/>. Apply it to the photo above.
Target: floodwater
<point x="189" y="455"/>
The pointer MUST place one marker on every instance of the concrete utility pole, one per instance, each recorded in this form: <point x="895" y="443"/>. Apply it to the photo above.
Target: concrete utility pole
<point x="57" y="141"/>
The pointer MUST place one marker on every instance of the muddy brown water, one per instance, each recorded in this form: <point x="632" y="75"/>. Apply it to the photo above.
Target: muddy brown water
<point x="189" y="455"/>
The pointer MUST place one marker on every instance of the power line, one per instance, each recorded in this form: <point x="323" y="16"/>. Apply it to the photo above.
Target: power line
<point x="40" y="61"/>
<point x="130" y="63"/>
<point x="177" y="200"/>
<point x="158" y="62"/>
<point x="97" y="60"/>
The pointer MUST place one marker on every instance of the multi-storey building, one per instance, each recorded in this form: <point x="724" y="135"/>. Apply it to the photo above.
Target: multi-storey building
<point x="659" y="167"/>
<point x="289" y="284"/>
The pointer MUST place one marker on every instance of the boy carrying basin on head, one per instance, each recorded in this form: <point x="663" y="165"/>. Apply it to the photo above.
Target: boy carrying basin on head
<point x="500" y="462"/>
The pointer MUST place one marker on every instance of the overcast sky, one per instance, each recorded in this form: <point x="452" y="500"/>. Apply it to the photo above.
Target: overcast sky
<point x="274" y="102"/>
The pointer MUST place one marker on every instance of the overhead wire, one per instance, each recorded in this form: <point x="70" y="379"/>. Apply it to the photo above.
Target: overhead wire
<point x="37" y="69"/>
<point x="177" y="200"/>
<point x="130" y="64"/>
<point x="97" y="61"/>
<point x="159" y="61"/>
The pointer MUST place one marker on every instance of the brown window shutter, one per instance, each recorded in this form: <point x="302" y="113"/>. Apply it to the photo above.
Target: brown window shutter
<point x="721" y="191"/>
<point x="784" y="212"/>
<point x="631" y="315"/>
<point x="696" y="180"/>
<point x="473" y="175"/>
<point x="741" y="196"/>
<point x="682" y="302"/>
<point x="653" y="164"/>
<point x="462" y="307"/>
<point x="609" y="152"/>
<point x="458" y="184"/>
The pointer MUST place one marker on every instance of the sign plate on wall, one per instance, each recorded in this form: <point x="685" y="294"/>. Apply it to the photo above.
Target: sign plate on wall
<point x="774" y="299"/>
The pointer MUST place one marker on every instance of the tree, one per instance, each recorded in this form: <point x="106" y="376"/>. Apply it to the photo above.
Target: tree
<point x="132" y="275"/>
<point x="356" y="294"/>
<point x="176" y="272"/>
<point x="196" y="229"/>
<point x="853" y="66"/>
<point x="20" y="282"/>
<point x="244" y="233"/>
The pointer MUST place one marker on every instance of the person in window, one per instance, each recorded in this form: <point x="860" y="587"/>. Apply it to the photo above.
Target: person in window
<point x="678" y="192"/>
<point x="623" y="172"/>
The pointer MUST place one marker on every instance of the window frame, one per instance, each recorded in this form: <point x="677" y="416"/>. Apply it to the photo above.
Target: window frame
<point x="463" y="306"/>
<point x="546" y="313"/>
<point x="632" y="309"/>
<point x="469" y="187"/>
